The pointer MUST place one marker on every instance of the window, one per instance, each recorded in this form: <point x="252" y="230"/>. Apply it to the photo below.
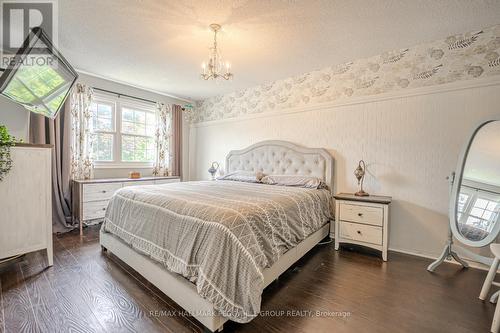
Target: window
<point x="483" y="214"/>
<point x="123" y="133"/>
<point x="478" y="208"/>
<point x="138" y="127"/>
<point x="104" y="130"/>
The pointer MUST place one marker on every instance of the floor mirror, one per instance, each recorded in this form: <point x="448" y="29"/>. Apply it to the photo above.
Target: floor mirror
<point x="475" y="196"/>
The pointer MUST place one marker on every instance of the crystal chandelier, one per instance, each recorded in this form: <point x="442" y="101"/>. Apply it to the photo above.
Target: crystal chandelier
<point x="215" y="67"/>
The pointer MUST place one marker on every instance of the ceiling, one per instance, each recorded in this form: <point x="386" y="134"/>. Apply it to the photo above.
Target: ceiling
<point x="160" y="44"/>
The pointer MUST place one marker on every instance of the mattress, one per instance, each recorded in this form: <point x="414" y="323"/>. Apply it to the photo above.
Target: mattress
<point x="218" y="234"/>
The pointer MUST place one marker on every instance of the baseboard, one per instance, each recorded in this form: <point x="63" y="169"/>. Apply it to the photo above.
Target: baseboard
<point x="471" y="262"/>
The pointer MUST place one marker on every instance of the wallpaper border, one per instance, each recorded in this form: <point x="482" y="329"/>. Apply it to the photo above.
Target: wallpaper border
<point x="466" y="57"/>
<point x="443" y="88"/>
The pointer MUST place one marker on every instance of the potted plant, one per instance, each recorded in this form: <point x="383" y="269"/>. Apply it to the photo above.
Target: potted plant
<point x="6" y="142"/>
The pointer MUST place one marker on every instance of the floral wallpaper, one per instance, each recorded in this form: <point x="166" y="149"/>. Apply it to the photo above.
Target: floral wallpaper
<point x="456" y="58"/>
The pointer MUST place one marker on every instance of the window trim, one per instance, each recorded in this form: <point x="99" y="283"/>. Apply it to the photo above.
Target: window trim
<point x="114" y="132"/>
<point x="120" y="102"/>
<point x="475" y="194"/>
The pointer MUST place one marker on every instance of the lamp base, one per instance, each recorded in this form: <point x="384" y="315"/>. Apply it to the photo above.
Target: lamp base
<point x="361" y="194"/>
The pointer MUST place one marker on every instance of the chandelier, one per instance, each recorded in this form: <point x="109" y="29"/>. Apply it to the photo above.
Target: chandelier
<point x="215" y="67"/>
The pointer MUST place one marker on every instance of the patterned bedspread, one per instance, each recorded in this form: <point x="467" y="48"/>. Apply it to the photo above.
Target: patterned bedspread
<point x="219" y="234"/>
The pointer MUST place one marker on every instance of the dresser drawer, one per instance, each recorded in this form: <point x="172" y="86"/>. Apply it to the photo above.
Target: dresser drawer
<point x="138" y="183"/>
<point x="361" y="232"/>
<point x="166" y="181"/>
<point x="98" y="192"/>
<point x="94" y="209"/>
<point x="362" y="214"/>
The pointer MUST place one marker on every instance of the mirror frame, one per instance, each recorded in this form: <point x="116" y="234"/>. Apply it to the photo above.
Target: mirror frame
<point x="455" y="190"/>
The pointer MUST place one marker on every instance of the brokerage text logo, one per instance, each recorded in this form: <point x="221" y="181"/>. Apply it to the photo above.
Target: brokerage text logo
<point x="19" y="17"/>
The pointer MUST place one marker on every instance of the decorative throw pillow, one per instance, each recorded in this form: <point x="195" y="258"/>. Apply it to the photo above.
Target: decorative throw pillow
<point x="243" y="176"/>
<point x="294" y="180"/>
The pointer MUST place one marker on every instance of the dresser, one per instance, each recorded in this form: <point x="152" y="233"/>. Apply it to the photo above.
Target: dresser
<point x="26" y="202"/>
<point x="91" y="197"/>
<point x="362" y="221"/>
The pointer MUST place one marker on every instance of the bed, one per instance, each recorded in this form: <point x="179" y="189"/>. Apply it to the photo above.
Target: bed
<point x="213" y="246"/>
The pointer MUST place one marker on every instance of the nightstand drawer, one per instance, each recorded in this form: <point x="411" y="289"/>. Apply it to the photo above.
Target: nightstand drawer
<point x="98" y="192"/>
<point x="361" y="232"/>
<point x="94" y="210"/>
<point x="362" y="214"/>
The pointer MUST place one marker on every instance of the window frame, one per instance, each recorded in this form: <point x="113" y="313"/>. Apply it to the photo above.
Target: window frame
<point x="475" y="194"/>
<point x="114" y="132"/>
<point x="119" y="104"/>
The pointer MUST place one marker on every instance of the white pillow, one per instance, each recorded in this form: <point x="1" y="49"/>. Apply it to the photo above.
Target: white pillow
<point x="243" y="176"/>
<point x="294" y="180"/>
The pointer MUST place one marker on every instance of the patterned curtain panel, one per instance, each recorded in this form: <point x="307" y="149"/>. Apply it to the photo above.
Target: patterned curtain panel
<point x="177" y="140"/>
<point x="163" y="138"/>
<point x="81" y="127"/>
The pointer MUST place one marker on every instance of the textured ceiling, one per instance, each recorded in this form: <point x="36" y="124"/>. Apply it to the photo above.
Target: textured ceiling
<point x="160" y="45"/>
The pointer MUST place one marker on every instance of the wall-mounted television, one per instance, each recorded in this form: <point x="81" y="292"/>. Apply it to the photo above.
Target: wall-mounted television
<point x="38" y="76"/>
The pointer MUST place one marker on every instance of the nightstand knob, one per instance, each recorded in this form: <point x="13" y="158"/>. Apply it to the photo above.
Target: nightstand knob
<point x="104" y="209"/>
<point x="359" y="232"/>
<point x="103" y="191"/>
<point x="360" y="214"/>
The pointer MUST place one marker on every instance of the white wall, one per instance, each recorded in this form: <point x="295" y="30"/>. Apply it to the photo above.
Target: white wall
<point x="409" y="143"/>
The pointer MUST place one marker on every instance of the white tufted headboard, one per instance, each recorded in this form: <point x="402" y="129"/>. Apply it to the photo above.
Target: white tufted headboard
<point x="275" y="157"/>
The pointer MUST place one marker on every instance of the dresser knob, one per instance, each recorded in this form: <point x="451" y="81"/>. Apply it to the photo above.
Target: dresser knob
<point x="360" y="214"/>
<point x="104" y="209"/>
<point x="103" y="191"/>
<point x="359" y="232"/>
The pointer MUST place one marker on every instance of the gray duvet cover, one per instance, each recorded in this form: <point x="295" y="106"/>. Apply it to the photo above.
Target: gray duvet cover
<point x="219" y="234"/>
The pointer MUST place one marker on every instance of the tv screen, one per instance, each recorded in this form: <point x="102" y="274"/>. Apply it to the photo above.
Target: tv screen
<point x="38" y="76"/>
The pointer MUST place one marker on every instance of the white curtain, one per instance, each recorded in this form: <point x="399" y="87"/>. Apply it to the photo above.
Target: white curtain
<point x="162" y="139"/>
<point x="82" y="166"/>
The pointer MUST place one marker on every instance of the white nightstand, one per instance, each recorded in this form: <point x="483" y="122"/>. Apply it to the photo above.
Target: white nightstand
<point x="362" y="221"/>
<point x="91" y="197"/>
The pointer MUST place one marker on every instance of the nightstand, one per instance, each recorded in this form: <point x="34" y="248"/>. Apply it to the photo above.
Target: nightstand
<point x="91" y="197"/>
<point x="362" y="221"/>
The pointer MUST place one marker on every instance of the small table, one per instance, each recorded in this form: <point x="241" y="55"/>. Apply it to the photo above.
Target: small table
<point x="362" y="221"/>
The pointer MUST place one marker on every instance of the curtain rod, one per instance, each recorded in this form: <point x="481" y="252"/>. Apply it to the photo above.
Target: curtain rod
<point x="124" y="95"/>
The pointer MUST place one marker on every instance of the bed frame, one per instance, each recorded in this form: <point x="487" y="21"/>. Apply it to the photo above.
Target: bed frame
<point x="270" y="157"/>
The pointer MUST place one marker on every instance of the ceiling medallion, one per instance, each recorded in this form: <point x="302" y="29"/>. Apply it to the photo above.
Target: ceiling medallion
<point x="215" y="67"/>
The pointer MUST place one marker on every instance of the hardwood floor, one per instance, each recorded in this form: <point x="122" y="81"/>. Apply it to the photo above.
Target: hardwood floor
<point x="90" y="291"/>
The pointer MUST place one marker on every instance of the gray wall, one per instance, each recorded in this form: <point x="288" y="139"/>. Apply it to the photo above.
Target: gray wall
<point x="15" y="117"/>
